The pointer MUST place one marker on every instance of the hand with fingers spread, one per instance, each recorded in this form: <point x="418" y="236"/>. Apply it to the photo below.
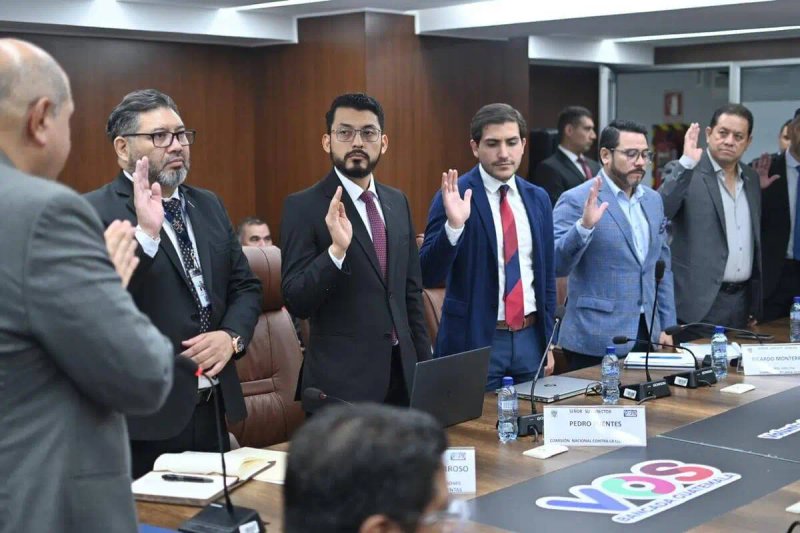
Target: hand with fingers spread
<point x="456" y="208"/>
<point x="121" y="246"/>
<point x="211" y="351"/>
<point x="761" y="166"/>
<point x="147" y="200"/>
<point x="339" y="225"/>
<point x="592" y="211"/>
<point x="690" y="148"/>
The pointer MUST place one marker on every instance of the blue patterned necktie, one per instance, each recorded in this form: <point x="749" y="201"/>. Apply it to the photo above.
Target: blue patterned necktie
<point x="173" y="212"/>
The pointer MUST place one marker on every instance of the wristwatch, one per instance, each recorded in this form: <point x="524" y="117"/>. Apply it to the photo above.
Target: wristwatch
<point x="237" y="342"/>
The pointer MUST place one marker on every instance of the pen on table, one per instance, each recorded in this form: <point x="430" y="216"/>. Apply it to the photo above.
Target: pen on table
<point x="191" y="479"/>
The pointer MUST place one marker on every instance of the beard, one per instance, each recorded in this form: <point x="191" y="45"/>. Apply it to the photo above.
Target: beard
<point x="166" y="177"/>
<point x="623" y="179"/>
<point x="355" y="172"/>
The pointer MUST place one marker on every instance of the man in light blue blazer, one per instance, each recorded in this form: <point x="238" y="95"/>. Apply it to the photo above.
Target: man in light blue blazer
<point x="609" y="234"/>
<point x="497" y="263"/>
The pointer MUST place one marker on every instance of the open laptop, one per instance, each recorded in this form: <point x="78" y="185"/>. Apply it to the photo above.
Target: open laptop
<point x="554" y="388"/>
<point x="451" y="388"/>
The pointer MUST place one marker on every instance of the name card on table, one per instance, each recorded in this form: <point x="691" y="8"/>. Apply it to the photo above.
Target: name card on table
<point x="607" y="425"/>
<point x="459" y="470"/>
<point x="771" y="359"/>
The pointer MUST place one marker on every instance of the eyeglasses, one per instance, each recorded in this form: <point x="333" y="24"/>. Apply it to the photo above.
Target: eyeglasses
<point x="633" y="154"/>
<point x="346" y="135"/>
<point x="163" y="139"/>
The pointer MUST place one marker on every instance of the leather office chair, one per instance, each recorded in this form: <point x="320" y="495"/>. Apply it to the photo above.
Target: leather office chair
<point x="270" y="368"/>
<point x="432" y="300"/>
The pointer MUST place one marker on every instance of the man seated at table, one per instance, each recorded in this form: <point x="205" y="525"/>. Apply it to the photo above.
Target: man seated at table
<point x="377" y="469"/>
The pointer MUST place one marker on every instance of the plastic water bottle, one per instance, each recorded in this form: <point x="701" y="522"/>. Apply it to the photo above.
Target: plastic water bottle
<point x="719" y="352"/>
<point x="794" y="321"/>
<point x="610" y="376"/>
<point x="507" y="411"/>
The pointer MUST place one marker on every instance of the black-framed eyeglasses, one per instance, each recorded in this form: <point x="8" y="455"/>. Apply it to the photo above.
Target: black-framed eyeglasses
<point x="163" y="139"/>
<point x="345" y="134"/>
<point x="633" y="154"/>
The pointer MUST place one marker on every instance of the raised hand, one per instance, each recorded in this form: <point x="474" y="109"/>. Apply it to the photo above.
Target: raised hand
<point x="147" y="200"/>
<point x="592" y="212"/>
<point x="339" y="225"/>
<point x="121" y="246"/>
<point x="456" y="208"/>
<point x="690" y="148"/>
<point x="761" y="166"/>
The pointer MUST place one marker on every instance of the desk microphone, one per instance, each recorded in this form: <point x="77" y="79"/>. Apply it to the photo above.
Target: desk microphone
<point x="690" y="379"/>
<point x="533" y="424"/>
<point x="736" y="361"/>
<point x="317" y="397"/>
<point x="215" y="516"/>
<point x="649" y="389"/>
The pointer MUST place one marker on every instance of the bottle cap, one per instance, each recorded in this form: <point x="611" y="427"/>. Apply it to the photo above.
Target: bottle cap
<point x="508" y="380"/>
<point x="718" y="329"/>
<point x="797" y="299"/>
<point x="611" y="350"/>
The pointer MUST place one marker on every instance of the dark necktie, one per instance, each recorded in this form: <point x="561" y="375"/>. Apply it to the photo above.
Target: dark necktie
<point x="378" y="238"/>
<point x="586" y="170"/>
<point x="796" y="245"/>
<point x="173" y="212"/>
<point x="512" y="294"/>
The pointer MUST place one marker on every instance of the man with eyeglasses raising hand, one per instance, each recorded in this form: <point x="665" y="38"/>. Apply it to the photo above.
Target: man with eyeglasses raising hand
<point x="609" y="233"/>
<point x="351" y="266"/>
<point x="193" y="280"/>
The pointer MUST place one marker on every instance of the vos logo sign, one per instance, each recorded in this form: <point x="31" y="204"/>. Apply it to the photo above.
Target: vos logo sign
<point x="651" y="487"/>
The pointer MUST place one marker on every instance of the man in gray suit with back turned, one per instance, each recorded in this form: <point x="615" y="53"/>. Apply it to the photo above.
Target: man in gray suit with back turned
<point x="714" y="203"/>
<point x="75" y="354"/>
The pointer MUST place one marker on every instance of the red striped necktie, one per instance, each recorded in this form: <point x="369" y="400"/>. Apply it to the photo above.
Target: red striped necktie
<point x="586" y="170"/>
<point x="512" y="295"/>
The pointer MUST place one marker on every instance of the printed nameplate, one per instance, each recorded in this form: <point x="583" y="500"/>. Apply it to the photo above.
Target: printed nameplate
<point x="771" y="359"/>
<point x="459" y="470"/>
<point x="607" y="425"/>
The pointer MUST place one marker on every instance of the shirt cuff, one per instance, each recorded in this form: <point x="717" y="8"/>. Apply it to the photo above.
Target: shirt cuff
<point x="453" y="234"/>
<point x="337" y="262"/>
<point x="584" y="233"/>
<point x="687" y="162"/>
<point x="149" y="245"/>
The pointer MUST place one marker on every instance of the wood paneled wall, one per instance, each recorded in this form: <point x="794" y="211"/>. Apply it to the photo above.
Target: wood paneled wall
<point x="212" y="85"/>
<point x="733" y="51"/>
<point x="552" y="88"/>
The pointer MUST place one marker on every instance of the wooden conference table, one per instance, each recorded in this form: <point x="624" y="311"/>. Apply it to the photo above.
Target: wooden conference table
<point x="502" y="465"/>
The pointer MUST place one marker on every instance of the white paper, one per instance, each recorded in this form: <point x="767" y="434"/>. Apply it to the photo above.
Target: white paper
<point x="682" y="359"/>
<point x="739" y="388"/>
<point x="771" y="359"/>
<point x="459" y="470"/>
<point x="151" y="484"/>
<point x="545" y="451"/>
<point x="702" y="350"/>
<point x="608" y="425"/>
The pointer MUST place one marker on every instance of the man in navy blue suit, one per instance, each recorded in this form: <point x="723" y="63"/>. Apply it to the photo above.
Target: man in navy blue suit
<point x="498" y="265"/>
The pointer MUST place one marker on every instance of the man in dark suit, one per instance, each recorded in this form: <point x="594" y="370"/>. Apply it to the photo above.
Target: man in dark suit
<point x="780" y="235"/>
<point x="568" y="167"/>
<point x="351" y="266"/>
<point x="714" y="203"/>
<point x="193" y="280"/>
<point x="498" y="264"/>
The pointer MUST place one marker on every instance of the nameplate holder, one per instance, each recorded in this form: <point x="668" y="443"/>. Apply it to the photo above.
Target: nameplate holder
<point x="771" y="359"/>
<point x="460" y="471"/>
<point x="607" y="425"/>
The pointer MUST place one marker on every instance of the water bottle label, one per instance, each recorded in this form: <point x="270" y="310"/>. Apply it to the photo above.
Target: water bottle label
<point x="508" y="405"/>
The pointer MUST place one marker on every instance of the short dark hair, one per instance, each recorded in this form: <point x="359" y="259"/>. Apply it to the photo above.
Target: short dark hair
<point x="609" y="137"/>
<point x="357" y="101"/>
<point x="571" y="115"/>
<point x="785" y="125"/>
<point x="125" y="117"/>
<point x="496" y="114"/>
<point x="733" y="109"/>
<point x="249" y="221"/>
<point x="375" y="459"/>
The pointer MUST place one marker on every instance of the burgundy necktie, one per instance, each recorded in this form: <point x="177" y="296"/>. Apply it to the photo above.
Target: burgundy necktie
<point x="378" y="237"/>
<point x="586" y="170"/>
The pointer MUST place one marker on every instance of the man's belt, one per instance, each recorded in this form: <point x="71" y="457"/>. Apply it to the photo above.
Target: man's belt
<point x="529" y="321"/>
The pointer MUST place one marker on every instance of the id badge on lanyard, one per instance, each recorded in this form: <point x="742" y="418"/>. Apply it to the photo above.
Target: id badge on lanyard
<point x="199" y="286"/>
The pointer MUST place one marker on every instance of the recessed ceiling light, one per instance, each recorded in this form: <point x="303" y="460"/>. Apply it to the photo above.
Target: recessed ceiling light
<point x="280" y="3"/>
<point x="671" y="36"/>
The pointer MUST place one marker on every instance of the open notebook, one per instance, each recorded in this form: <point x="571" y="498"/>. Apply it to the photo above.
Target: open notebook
<point x="242" y="465"/>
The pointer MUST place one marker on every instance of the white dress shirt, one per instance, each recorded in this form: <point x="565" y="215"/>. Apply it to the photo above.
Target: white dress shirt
<point x="355" y="192"/>
<point x="791" y="183"/>
<point x="524" y="240"/>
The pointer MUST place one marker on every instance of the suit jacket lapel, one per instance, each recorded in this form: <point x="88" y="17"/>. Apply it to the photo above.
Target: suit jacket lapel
<point x="360" y="233"/>
<point x="605" y="195"/>
<point x="481" y="203"/>
<point x="570" y="166"/>
<point x="649" y="207"/>
<point x="752" y="188"/>
<point x="712" y="184"/>
<point x="199" y="222"/>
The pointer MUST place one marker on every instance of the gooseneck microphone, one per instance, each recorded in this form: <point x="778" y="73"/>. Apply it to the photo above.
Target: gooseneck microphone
<point x="673" y="330"/>
<point x="533" y="424"/>
<point x="650" y="389"/>
<point x="690" y="379"/>
<point x="216" y="517"/>
<point x="317" y="396"/>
